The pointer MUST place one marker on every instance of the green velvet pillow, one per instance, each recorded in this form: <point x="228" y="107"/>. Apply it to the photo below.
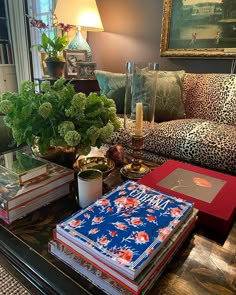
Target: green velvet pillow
<point x="169" y="98"/>
<point x="113" y="86"/>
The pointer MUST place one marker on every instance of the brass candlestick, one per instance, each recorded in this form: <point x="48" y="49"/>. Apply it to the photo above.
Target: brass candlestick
<point x="136" y="169"/>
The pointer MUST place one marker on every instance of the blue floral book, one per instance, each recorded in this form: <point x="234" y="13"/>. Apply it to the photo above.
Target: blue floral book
<point x="126" y="227"/>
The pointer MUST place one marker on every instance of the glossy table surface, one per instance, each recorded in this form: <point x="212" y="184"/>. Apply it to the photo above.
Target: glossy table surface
<point x="205" y="264"/>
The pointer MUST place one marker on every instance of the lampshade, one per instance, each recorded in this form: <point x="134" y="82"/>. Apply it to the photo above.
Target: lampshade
<point x="82" y="13"/>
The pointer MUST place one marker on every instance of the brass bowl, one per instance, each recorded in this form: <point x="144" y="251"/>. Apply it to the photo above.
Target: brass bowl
<point x="105" y="165"/>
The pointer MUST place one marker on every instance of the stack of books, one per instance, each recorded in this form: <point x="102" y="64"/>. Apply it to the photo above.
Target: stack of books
<point x="123" y="241"/>
<point x="27" y="184"/>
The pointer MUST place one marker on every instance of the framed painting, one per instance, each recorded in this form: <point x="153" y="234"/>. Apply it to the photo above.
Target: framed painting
<point x="199" y="28"/>
<point x="72" y="57"/>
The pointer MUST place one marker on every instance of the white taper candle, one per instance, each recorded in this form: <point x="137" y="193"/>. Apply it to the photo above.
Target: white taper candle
<point x="139" y="119"/>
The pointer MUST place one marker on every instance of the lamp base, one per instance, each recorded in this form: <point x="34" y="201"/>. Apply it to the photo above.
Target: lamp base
<point x="128" y="171"/>
<point x="79" y="43"/>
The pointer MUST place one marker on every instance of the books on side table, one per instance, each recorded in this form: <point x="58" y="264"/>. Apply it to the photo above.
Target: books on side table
<point x="123" y="241"/>
<point x="17" y="199"/>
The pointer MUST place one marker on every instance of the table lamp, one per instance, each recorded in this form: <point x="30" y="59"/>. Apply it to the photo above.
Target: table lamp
<point x="85" y="15"/>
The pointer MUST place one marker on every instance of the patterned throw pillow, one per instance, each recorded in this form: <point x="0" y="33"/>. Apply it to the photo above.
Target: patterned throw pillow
<point x="169" y="98"/>
<point x="113" y="86"/>
<point x="211" y="97"/>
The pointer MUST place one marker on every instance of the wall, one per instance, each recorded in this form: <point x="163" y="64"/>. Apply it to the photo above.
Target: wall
<point x="132" y="32"/>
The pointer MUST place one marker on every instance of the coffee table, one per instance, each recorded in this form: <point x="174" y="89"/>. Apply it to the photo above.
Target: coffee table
<point x="204" y="264"/>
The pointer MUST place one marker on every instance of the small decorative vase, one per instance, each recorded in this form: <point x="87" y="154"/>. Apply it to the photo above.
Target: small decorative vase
<point x="55" y="68"/>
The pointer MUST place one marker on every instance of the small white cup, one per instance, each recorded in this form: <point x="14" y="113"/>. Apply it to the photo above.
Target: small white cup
<point x="89" y="186"/>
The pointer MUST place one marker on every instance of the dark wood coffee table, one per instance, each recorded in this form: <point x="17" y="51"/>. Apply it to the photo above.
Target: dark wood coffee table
<point x="205" y="264"/>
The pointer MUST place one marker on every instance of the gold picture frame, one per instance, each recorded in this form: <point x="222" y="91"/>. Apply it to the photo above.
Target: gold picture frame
<point x="72" y="57"/>
<point x="191" y="30"/>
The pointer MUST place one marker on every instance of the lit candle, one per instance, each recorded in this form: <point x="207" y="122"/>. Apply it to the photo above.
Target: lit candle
<point x="139" y="119"/>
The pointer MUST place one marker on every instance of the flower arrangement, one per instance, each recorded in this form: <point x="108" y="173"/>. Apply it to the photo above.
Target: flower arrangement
<point x="58" y="116"/>
<point x="52" y="46"/>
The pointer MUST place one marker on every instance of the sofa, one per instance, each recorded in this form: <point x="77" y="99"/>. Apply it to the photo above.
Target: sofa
<point x="195" y="118"/>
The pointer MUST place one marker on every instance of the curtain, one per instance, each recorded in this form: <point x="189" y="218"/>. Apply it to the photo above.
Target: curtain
<point x="19" y="39"/>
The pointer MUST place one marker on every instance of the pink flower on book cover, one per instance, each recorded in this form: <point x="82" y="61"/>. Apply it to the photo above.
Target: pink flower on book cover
<point x="151" y="218"/>
<point x="97" y="220"/>
<point x="125" y="203"/>
<point x="76" y="223"/>
<point x="125" y="254"/>
<point x="103" y="202"/>
<point x="109" y="209"/>
<point x="113" y="233"/>
<point x="135" y="221"/>
<point x="164" y="233"/>
<point x="120" y="225"/>
<point x="141" y="237"/>
<point x="86" y="215"/>
<point x="132" y="187"/>
<point x="103" y="241"/>
<point x="91" y="209"/>
<point x="94" y="231"/>
<point x="176" y="212"/>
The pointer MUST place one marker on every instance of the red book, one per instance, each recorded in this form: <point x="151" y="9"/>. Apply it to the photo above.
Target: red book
<point x="213" y="193"/>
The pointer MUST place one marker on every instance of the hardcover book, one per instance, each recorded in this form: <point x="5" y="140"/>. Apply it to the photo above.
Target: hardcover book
<point x="212" y="192"/>
<point x="79" y="260"/>
<point x="24" y="166"/>
<point x="127" y="227"/>
<point x="17" y="200"/>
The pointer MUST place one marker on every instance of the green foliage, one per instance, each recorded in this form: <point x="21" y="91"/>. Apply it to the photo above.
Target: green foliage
<point x="52" y="46"/>
<point x="58" y="116"/>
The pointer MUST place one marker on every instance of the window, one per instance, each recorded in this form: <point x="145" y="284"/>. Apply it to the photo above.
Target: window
<point x="40" y="9"/>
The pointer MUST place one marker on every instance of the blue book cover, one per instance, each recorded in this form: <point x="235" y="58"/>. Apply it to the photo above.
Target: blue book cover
<point x="126" y="227"/>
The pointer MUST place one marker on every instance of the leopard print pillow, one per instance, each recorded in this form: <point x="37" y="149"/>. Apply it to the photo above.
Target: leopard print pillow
<point x="210" y="97"/>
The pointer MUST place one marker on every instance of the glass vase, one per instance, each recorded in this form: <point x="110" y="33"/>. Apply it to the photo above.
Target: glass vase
<point x="139" y="111"/>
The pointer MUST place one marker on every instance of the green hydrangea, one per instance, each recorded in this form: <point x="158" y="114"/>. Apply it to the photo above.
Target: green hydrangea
<point x="5" y="106"/>
<point x="45" y="86"/>
<point x="58" y="84"/>
<point x="76" y="120"/>
<point x="65" y="126"/>
<point x="106" y="131"/>
<point x="76" y="109"/>
<point x="72" y="138"/>
<point x="93" y="134"/>
<point x="27" y="87"/>
<point x="45" y="109"/>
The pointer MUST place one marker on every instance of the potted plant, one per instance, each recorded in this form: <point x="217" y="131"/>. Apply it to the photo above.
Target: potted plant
<point x="58" y="117"/>
<point x="52" y="46"/>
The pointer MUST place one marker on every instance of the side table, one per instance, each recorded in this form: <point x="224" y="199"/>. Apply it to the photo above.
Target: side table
<point x="81" y="85"/>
